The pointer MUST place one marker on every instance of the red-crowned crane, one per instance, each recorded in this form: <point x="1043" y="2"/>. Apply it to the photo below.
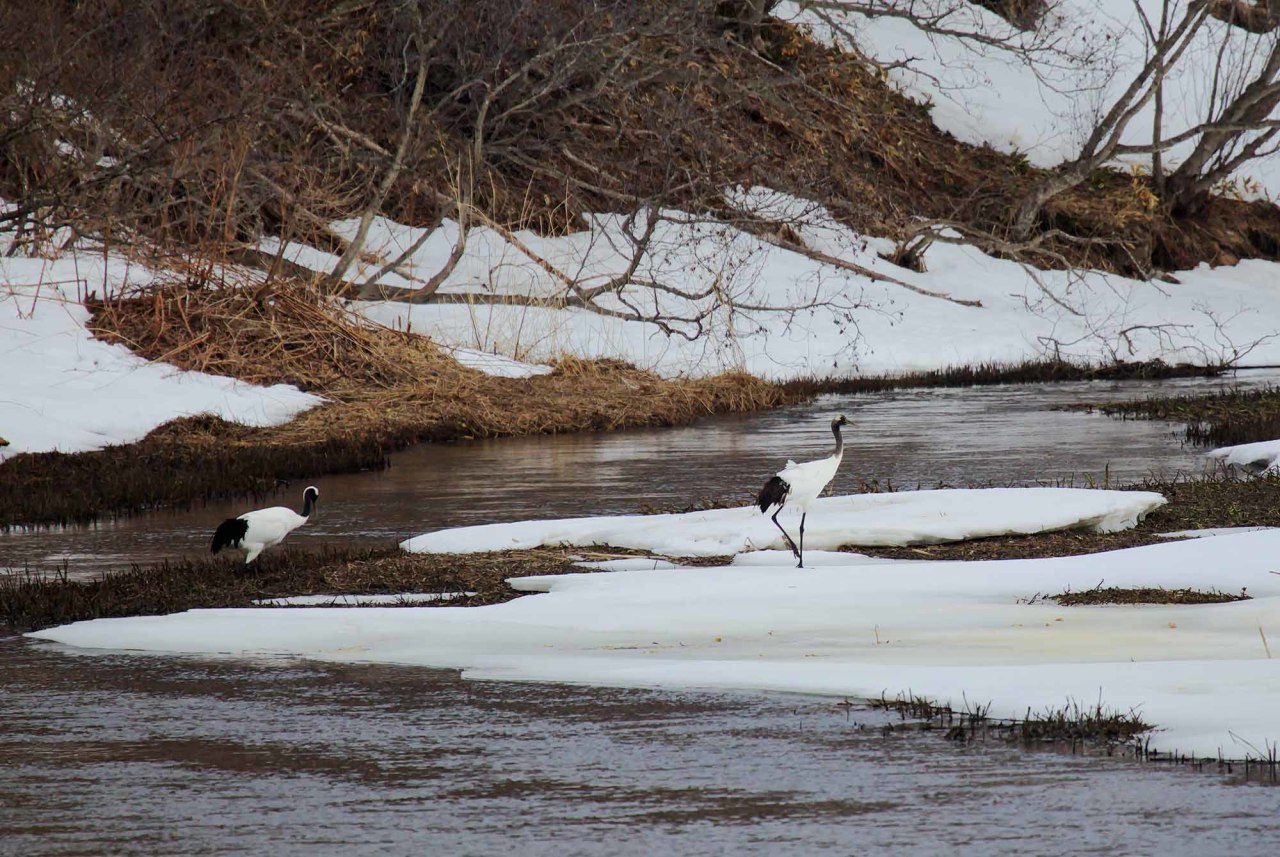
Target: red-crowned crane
<point x="254" y="532"/>
<point x="798" y="485"/>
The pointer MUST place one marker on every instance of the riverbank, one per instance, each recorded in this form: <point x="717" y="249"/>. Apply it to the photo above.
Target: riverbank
<point x="31" y="602"/>
<point x="394" y="389"/>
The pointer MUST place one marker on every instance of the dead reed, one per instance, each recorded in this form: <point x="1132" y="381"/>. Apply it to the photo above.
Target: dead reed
<point x="1081" y="728"/>
<point x="986" y="374"/>
<point x="30" y="600"/>
<point x="1215" y="419"/>
<point x="1146" y="595"/>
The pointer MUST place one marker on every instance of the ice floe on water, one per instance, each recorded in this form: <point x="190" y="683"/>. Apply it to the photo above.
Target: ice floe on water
<point x="967" y="633"/>
<point x="902" y="518"/>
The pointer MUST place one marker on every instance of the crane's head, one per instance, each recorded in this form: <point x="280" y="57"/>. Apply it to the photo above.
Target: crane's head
<point x="309" y="498"/>
<point x="839" y="421"/>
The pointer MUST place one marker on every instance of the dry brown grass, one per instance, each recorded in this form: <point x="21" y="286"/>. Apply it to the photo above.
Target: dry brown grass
<point x="1146" y="595"/>
<point x="1224" y="418"/>
<point x="30" y="601"/>
<point x="392" y="383"/>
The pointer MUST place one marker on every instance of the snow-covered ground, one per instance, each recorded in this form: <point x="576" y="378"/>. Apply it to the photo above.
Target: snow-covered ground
<point x="1043" y="99"/>
<point x="854" y="326"/>
<point x="1260" y="457"/>
<point x="971" y="634"/>
<point x="61" y="389"/>
<point x="495" y="364"/>
<point x="901" y="518"/>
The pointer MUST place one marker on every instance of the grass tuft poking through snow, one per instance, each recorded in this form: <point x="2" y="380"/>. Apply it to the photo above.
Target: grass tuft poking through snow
<point x="1146" y="595"/>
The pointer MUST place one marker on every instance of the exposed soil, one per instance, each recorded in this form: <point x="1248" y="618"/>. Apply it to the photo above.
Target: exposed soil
<point x="1146" y="595"/>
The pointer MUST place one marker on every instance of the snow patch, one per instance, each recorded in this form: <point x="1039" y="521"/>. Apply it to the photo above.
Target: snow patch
<point x="903" y="518"/>
<point x="631" y="563"/>
<point x="1212" y="315"/>
<point x="1043" y="104"/>
<point x="1210" y="532"/>
<point x="496" y="364"/>
<point x="958" y="632"/>
<point x="63" y="390"/>
<point x="1260" y="457"/>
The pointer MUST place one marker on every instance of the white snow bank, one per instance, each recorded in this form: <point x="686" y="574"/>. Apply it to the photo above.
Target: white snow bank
<point x="952" y="631"/>
<point x="1045" y="103"/>
<point x="1260" y="457"/>
<point x="1209" y="532"/>
<point x="630" y="563"/>
<point x="903" y="518"/>
<point x="61" y="389"/>
<point x="496" y="364"/>
<point x="856" y="327"/>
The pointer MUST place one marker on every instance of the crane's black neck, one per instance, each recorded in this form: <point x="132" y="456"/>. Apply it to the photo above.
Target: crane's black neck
<point x="835" y="429"/>
<point x="308" y="501"/>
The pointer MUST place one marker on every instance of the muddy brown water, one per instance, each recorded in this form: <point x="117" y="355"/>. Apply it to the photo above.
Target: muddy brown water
<point x="119" y="754"/>
<point x="1003" y="435"/>
<point x="131" y="754"/>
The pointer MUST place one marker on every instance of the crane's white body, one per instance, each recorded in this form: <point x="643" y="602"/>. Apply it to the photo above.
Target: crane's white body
<point x="796" y="486"/>
<point x="267" y="528"/>
<point x="808" y="480"/>
<point x="253" y="532"/>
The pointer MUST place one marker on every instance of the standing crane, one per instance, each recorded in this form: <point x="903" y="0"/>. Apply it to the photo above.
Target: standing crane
<point x="797" y="485"/>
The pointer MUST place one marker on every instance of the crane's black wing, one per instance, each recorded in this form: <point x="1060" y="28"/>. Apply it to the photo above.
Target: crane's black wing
<point x="774" y="493"/>
<point x="229" y="534"/>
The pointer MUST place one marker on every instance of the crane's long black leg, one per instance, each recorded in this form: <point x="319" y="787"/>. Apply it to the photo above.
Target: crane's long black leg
<point x="803" y="515"/>
<point x="790" y="543"/>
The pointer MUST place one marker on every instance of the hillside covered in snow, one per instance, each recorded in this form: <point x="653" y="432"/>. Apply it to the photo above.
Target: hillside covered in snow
<point x="819" y="190"/>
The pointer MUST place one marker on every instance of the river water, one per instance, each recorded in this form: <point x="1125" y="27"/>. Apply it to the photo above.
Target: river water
<point x="1001" y="435"/>
<point x="118" y="753"/>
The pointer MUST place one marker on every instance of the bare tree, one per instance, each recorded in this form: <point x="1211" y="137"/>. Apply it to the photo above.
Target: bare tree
<point x="1166" y="45"/>
<point x="423" y="45"/>
<point x="1238" y="127"/>
<point x="1029" y="32"/>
